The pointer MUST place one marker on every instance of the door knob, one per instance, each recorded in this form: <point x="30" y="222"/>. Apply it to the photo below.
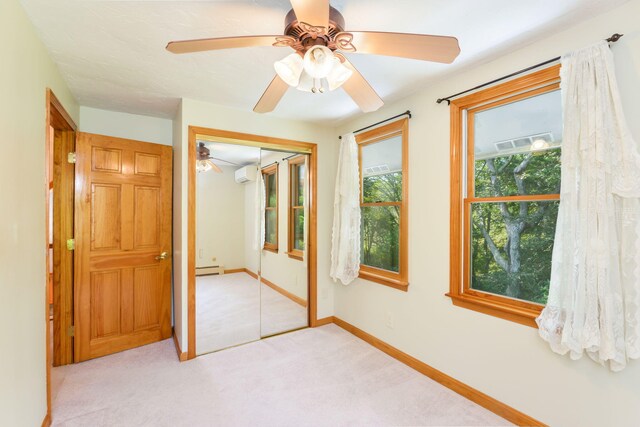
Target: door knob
<point x="162" y="256"/>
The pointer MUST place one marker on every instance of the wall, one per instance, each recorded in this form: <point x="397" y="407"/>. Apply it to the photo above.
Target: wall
<point x="124" y="125"/>
<point x="503" y="359"/>
<point x="197" y="113"/>
<point x="251" y="253"/>
<point x="220" y="215"/>
<point x="26" y="72"/>
<point x="287" y="273"/>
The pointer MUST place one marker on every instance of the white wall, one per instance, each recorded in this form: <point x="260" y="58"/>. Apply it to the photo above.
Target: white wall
<point x="197" y="113"/>
<point x="285" y="272"/>
<point x="251" y="253"/>
<point x="506" y="360"/>
<point x="125" y="125"/>
<point x="220" y="222"/>
<point x="25" y="73"/>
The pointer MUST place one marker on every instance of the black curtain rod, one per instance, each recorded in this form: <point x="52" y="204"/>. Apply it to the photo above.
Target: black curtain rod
<point x="406" y="113"/>
<point x="614" y="38"/>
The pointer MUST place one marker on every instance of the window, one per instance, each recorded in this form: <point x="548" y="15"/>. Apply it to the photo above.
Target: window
<point x="270" y="178"/>
<point x="505" y="184"/>
<point x="296" y="207"/>
<point x="383" y="204"/>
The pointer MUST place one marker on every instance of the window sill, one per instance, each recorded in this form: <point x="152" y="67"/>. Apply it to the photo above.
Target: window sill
<point x="274" y="250"/>
<point x="383" y="280"/>
<point x="522" y="315"/>
<point x="299" y="255"/>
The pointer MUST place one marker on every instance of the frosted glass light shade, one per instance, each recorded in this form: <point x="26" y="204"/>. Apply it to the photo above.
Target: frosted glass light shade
<point x="338" y="74"/>
<point x="306" y="82"/>
<point x="318" y="61"/>
<point x="203" y="166"/>
<point x="289" y="69"/>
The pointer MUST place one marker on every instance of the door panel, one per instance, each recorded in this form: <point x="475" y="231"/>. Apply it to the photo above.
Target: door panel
<point x="123" y="225"/>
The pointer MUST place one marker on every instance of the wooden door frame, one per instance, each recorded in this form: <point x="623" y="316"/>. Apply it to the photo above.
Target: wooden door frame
<point x="57" y="117"/>
<point x="263" y="142"/>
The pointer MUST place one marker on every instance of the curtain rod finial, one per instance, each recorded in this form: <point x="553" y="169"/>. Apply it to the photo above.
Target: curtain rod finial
<point x="614" y="38"/>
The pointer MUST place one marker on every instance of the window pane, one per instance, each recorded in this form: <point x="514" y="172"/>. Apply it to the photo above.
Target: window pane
<point x="300" y="178"/>
<point x="517" y="147"/>
<point x="298" y="229"/>
<point x="382" y="171"/>
<point x="271" y="190"/>
<point x="511" y="248"/>
<point x="270" y="226"/>
<point x="380" y="234"/>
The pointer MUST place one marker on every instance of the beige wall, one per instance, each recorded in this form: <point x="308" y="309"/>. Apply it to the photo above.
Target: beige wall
<point x="199" y="113"/>
<point x="220" y="219"/>
<point x="503" y="359"/>
<point x="125" y="125"/>
<point x="287" y="273"/>
<point x="25" y="73"/>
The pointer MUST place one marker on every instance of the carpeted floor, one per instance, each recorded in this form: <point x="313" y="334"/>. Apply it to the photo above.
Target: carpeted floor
<point x="316" y="377"/>
<point x="232" y="310"/>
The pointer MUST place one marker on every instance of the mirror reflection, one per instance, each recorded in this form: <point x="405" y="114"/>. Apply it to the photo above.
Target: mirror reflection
<point x="251" y="241"/>
<point x="283" y="264"/>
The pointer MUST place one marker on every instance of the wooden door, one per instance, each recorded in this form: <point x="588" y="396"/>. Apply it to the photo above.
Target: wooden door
<point x="123" y="245"/>
<point x="62" y="292"/>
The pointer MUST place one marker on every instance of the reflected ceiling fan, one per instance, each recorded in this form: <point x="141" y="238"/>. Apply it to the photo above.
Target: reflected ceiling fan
<point x="315" y="31"/>
<point x="205" y="160"/>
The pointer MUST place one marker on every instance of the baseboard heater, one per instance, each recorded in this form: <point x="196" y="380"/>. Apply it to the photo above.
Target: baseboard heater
<point x="209" y="270"/>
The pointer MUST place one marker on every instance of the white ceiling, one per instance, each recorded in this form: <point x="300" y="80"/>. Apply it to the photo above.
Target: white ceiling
<point x="111" y="52"/>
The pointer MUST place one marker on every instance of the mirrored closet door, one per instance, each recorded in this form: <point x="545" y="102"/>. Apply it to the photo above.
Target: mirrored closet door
<point x="227" y="256"/>
<point x="283" y="264"/>
<point x="251" y="234"/>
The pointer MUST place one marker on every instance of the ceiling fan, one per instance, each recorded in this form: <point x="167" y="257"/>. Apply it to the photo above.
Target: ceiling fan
<point x="315" y="31"/>
<point x="205" y="160"/>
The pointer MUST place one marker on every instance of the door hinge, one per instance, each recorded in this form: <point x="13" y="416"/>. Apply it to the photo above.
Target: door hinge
<point x="71" y="244"/>
<point x="71" y="331"/>
<point x="71" y="157"/>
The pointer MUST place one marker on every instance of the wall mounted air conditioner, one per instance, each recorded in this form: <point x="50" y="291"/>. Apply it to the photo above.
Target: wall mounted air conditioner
<point x="246" y="174"/>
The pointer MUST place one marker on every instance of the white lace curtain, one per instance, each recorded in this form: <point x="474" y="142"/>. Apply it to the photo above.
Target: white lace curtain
<point x="345" y="241"/>
<point x="594" y="297"/>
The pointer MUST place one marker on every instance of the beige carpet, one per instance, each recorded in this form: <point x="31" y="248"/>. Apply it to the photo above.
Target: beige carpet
<point x="312" y="377"/>
<point x="231" y="309"/>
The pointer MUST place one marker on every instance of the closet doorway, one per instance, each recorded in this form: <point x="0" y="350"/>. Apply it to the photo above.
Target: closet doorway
<point x="252" y="238"/>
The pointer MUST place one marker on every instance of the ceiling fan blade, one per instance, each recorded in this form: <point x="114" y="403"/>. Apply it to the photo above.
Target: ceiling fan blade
<point x="200" y="45"/>
<point x="415" y="46"/>
<point x="312" y="12"/>
<point x="360" y="90"/>
<point x="223" y="160"/>
<point x="214" y="167"/>
<point x="270" y="98"/>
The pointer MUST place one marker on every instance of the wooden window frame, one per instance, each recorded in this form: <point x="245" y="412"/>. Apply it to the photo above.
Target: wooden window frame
<point x="398" y="280"/>
<point x="294" y="170"/>
<point x="461" y="294"/>
<point x="271" y="170"/>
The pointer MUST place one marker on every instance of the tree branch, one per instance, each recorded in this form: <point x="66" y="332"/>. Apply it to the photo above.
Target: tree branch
<point x="500" y="259"/>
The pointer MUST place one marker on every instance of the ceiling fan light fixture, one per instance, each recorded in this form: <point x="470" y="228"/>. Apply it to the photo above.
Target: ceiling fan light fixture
<point x="203" y="166"/>
<point x="290" y="68"/>
<point x="338" y="75"/>
<point x="318" y="61"/>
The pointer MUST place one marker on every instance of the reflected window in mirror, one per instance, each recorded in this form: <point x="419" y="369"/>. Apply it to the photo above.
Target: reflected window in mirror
<point x="382" y="154"/>
<point x="296" y="207"/>
<point x="270" y="179"/>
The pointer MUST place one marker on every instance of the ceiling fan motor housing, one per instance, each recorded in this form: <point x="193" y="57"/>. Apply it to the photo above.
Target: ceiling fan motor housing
<point x="309" y="35"/>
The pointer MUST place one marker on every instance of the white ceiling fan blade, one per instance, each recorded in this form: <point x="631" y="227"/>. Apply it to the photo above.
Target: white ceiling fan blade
<point x="200" y="45"/>
<point x="360" y="90"/>
<point x="270" y="98"/>
<point x="415" y="46"/>
<point x="313" y="12"/>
